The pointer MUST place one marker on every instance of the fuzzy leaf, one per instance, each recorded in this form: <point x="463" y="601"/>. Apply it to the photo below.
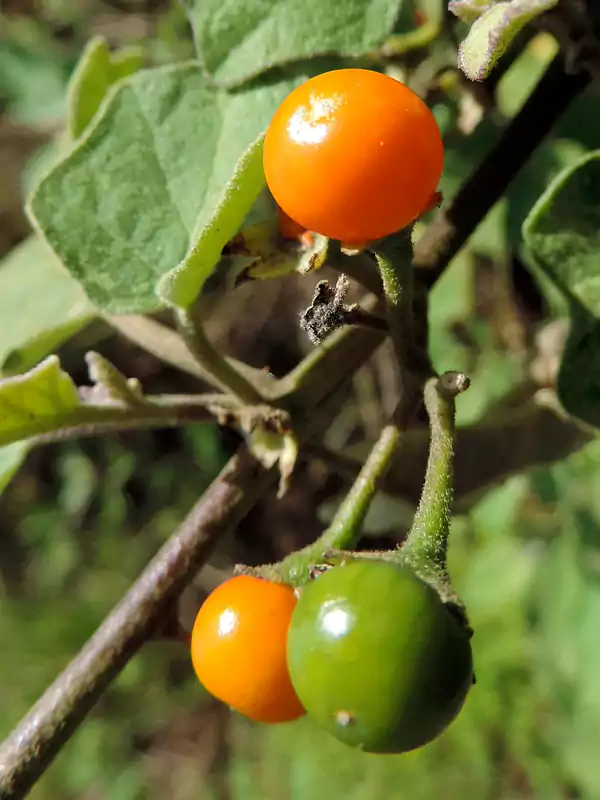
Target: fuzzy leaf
<point x="31" y="403"/>
<point x="237" y="41"/>
<point x="153" y="186"/>
<point x="562" y="235"/>
<point x="41" y="305"/>
<point x="493" y="31"/>
<point x="98" y="69"/>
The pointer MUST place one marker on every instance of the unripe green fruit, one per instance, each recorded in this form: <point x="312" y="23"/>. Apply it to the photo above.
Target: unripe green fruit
<point x="376" y="658"/>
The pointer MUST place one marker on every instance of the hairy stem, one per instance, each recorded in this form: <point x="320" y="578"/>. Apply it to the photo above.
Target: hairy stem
<point x="163" y="411"/>
<point x="394" y="258"/>
<point x="346" y="525"/>
<point x="226" y="376"/>
<point x="427" y="541"/>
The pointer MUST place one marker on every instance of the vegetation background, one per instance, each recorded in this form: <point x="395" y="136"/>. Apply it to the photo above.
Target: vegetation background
<point x="80" y="520"/>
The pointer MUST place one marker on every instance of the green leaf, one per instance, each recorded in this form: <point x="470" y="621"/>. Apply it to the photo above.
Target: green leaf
<point x="181" y="285"/>
<point x="563" y="231"/>
<point x="30" y="404"/>
<point x="562" y="235"/>
<point x="11" y="458"/>
<point x="237" y="41"/>
<point x="493" y="31"/>
<point x="98" y="69"/>
<point x="469" y="10"/>
<point x="147" y="187"/>
<point x="41" y="306"/>
<point x="548" y="161"/>
<point x="578" y="384"/>
<point x="32" y="79"/>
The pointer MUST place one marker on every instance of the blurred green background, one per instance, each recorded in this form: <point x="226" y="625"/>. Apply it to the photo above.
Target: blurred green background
<point x="80" y="520"/>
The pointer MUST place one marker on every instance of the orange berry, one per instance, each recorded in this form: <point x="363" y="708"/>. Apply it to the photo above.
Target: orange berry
<point x="239" y="645"/>
<point x="353" y="154"/>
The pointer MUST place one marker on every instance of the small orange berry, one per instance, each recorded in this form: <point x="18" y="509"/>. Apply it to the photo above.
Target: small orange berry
<point x="239" y="645"/>
<point x="353" y="155"/>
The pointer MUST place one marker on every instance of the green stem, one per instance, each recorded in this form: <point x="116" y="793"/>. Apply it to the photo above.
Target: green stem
<point x="225" y="375"/>
<point x="426" y="545"/>
<point x="394" y="258"/>
<point x="401" y="44"/>
<point x="163" y="411"/>
<point x="345" y="528"/>
<point x="167" y="345"/>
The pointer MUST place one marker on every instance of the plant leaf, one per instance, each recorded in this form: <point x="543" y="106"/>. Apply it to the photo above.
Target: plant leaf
<point x="45" y="405"/>
<point x="493" y="31"/>
<point x="143" y="190"/>
<point x="31" y="404"/>
<point x="181" y="285"/>
<point x="562" y="235"/>
<point x="237" y="41"/>
<point x="578" y="383"/>
<point x="11" y="458"/>
<point x="469" y="10"/>
<point x="41" y="305"/>
<point x="548" y="161"/>
<point x="98" y="69"/>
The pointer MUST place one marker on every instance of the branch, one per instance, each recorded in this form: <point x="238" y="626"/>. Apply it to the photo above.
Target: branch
<point x="115" y="423"/>
<point x="160" y="411"/>
<point x="451" y="228"/>
<point x="221" y="371"/>
<point x="38" y="738"/>
<point x="167" y="345"/>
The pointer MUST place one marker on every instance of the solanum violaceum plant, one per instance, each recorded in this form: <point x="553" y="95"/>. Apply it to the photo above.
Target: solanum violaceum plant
<point x="377" y="648"/>
<point x="142" y="208"/>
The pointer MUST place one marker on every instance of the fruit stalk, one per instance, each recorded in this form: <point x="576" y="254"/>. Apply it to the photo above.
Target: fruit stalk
<point x="344" y="530"/>
<point x="426" y="545"/>
<point x="225" y="375"/>
<point x="394" y="259"/>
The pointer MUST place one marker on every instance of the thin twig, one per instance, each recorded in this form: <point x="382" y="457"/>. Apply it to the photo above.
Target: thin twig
<point x="161" y="411"/>
<point x="167" y="345"/>
<point x="222" y="371"/>
<point x="452" y="227"/>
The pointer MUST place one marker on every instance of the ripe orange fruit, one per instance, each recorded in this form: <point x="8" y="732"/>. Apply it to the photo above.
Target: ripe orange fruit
<point x="354" y="155"/>
<point x="239" y="645"/>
